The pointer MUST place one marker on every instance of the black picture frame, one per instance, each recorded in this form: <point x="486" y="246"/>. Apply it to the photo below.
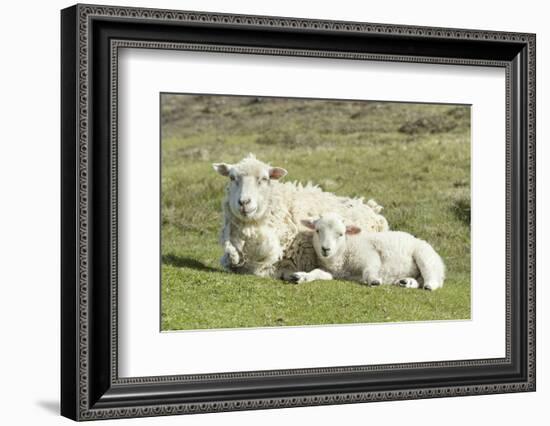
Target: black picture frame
<point x="90" y="386"/>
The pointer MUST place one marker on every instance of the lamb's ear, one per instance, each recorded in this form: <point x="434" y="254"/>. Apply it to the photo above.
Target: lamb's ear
<point x="222" y="168"/>
<point x="310" y="224"/>
<point x="352" y="229"/>
<point x="277" y="173"/>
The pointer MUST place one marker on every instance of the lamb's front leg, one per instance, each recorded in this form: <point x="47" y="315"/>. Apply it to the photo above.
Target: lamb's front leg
<point x="305" y="277"/>
<point x="371" y="272"/>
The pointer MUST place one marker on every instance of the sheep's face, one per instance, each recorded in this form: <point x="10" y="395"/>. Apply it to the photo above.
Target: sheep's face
<point x="330" y="234"/>
<point x="249" y="188"/>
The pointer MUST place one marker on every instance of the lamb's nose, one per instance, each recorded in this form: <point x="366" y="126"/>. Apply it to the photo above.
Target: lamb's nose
<point x="325" y="250"/>
<point x="244" y="202"/>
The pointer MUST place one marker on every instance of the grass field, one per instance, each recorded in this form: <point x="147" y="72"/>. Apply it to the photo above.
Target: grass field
<point x="413" y="159"/>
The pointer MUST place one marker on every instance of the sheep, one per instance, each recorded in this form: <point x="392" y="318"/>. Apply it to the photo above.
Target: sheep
<point x="262" y="233"/>
<point x="389" y="257"/>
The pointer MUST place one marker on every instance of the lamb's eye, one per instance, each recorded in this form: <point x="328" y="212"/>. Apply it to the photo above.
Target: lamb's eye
<point x="262" y="180"/>
<point x="317" y="231"/>
<point x="340" y="235"/>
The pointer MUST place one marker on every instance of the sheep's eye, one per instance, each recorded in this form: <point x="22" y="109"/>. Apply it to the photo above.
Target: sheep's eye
<point x="340" y="235"/>
<point x="317" y="231"/>
<point x="262" y="179"/>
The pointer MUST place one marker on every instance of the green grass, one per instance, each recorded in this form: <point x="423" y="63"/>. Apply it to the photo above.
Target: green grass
<point x="413" y="159"/>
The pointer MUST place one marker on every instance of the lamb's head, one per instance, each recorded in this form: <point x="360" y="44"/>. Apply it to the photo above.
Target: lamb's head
<point x="249" y="189"/>
<point x="329" y="238"/>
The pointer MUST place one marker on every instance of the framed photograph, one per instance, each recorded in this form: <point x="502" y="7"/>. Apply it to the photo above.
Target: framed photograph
<point x="263" y="212"/>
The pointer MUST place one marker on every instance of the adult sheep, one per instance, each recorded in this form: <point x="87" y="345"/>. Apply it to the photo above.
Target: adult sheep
<point x="262" y="232"/>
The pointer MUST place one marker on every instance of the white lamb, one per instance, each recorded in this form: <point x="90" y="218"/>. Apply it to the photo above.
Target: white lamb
<point x="262" y="233"/>
<point x="372" y="258"/>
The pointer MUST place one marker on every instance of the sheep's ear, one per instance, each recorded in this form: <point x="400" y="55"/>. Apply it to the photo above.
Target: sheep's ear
<point x="352" y="229"/>
<point x="222" y="168"/>
<point x="310" y="224"/>
<point x="277" y="173"/>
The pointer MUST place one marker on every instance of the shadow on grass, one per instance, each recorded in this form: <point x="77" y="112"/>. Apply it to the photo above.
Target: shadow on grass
<point x="462" y="210"/>
<point x="187" y="262"/>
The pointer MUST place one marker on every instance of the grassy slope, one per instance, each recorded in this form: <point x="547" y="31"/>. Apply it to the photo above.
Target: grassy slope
<point x="421" y="175"/>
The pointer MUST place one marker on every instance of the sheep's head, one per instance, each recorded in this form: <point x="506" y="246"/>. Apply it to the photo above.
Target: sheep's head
<point x="249" y="188"/>
<point x="330" y="234"/>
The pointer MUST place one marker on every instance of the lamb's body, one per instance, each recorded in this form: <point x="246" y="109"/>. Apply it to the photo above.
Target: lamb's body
<point x="374" y="258"/>
<point x="275" y="243"/>
<point x="388" y="258"/>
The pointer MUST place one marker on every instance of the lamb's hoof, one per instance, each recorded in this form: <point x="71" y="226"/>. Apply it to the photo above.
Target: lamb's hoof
<point x="375" y="283"/>
<point x="298" y="278"/>
<point x="407" y="283"/>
